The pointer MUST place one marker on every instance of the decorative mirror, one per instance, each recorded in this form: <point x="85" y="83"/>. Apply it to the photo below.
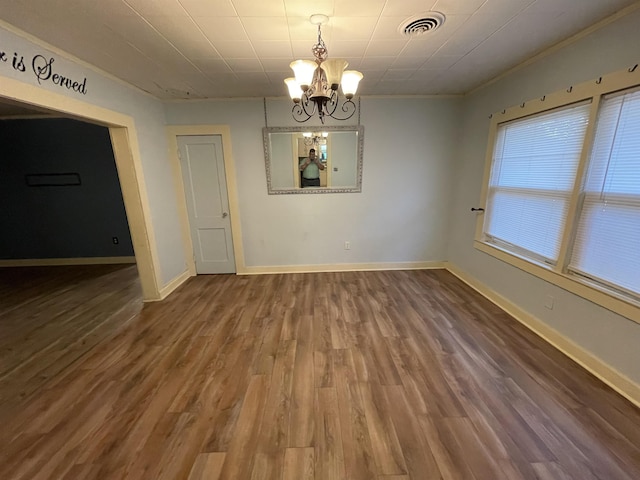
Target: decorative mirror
<point x="313" y="159"/>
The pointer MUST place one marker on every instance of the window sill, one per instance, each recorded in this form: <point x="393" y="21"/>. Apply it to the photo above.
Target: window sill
<point x="608" y="299"/>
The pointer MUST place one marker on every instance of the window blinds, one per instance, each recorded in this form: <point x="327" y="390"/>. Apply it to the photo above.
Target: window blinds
<point x="534" y="168"/>
<point x="607" y="243"/>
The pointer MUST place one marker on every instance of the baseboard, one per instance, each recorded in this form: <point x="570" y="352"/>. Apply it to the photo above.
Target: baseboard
<point x="616" y="380"/>
<point x="172" y="285"/>
<point x="340" y="267"/>
<point x="46" y="262"/>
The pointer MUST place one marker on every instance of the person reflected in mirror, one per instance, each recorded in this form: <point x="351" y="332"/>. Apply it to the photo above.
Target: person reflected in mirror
<point x="310" y="168"/>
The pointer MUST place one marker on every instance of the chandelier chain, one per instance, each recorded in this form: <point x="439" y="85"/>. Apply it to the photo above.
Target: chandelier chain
<point x="319" y="50"/>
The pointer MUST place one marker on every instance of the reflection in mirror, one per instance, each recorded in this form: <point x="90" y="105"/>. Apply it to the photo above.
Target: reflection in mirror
<point x="313" y="159"/>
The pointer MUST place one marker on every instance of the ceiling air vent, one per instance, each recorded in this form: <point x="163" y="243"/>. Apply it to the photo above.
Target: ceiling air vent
<point x="421" y="24"/>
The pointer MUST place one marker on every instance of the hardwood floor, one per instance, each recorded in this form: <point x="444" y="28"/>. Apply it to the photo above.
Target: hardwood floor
<point x="359" y="375"/>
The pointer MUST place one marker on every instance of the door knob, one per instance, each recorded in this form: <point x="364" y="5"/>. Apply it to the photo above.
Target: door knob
<point x="224" y="214"/>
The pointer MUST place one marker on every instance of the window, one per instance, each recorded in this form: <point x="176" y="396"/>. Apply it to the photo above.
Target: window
<point x="607" y="243"/>
<point x="534" y="169"/>
<point x="563" y="196"/>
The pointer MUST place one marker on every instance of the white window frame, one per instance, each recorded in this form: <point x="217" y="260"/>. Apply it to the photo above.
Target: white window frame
<point x="558" y="273"/>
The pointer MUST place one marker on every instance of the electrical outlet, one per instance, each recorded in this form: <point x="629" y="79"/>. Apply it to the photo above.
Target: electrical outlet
<point x="115" y="240"/>
<point x="347" y="245"/>
<point x="548" y="302"/>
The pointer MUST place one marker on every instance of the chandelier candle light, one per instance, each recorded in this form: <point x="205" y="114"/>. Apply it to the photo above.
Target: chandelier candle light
<point x="315" y="86"/>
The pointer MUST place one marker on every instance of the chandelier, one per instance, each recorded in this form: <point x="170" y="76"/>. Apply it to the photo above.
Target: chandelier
<point x="315" y="138"/>
<point x="315" y="86"/>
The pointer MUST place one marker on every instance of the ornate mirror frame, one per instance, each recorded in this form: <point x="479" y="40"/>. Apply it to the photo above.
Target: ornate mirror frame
<point x="357" y="188"/>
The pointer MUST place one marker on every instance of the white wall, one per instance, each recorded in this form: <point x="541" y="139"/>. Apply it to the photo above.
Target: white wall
<point x="400" y="216"/>
<point x="612" y="338"/>
<point x="148" y="115"/>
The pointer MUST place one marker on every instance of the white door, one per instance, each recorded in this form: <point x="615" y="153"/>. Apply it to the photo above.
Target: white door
<point x="205" y="188"/>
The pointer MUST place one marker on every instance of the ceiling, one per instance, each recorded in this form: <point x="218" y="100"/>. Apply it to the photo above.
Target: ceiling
<point x="242" y="48"/>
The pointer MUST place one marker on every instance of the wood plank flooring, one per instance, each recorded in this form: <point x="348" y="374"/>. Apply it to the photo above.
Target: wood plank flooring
<point x="328" y="376"/>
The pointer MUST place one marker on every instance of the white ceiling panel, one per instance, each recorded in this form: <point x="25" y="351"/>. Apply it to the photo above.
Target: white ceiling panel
<point x="373" y="76"/>
<point x="387" y="28"/>
<point x="426" y="75"/>
<point x="302" y="50"/>
<point x="257" y="8"/>
<point x="455" y="6"/>
<point x="409" y="62"/>
<point x="212" y="66"/>
<point x="534" y="26"/>
<point x="474" y="31"/>
<point x="168" y="8"/>
<point x="404" y="74"/>
<point x="230" y="50"/>
<point x="209" y="8"/>
<point x="300" y="29"/>
<point x="182" y="30"/>
<point x="408" y="8"/>
<point x="441" y="62"/>
<point x="277" y="78"/>
<point x="386" y="48"/>
<point x="376" y="63"/>
<point x="254" y="77"/>
<point x="353" y="63"/>
<point x="305" y="8"/>
<point x="508" y="8"/>
<point x="239" y="65"/>
<point x="223" y="48"/>
<point x="101" y="11"/>
<point x="258" y="30"/>
<point x="140" y="33"/>
<point x="361" y="8"/>
<point x="197" y="49"/>
<point x="343" y="49"/>
<point x="226" y="79"/>
<point x="561" y="6"/>
<point x="352" y="28"/>
<point x="279" y="49"/>
<point x="421" y="47"/>
<point x="223" y="29"/>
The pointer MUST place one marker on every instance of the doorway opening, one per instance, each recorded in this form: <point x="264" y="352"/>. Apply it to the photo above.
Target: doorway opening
<point x="33" y="102"/>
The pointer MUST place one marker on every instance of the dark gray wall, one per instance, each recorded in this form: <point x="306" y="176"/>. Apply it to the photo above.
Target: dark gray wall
<point x="60" y="221"/>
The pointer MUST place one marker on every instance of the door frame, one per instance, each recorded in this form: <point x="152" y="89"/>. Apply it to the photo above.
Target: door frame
<point x="175" y="131"/>
<point x="124" y="140"/>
